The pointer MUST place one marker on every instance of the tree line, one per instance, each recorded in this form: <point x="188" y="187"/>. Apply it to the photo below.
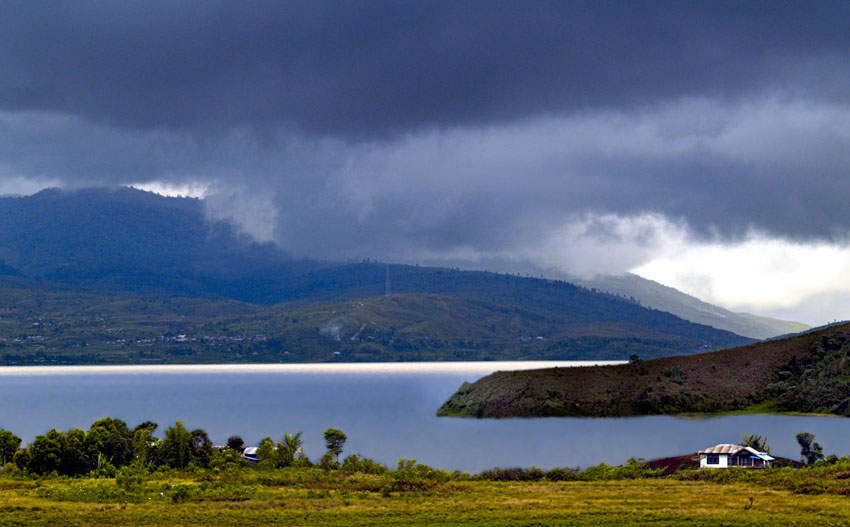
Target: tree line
<point x="109" y="444"/>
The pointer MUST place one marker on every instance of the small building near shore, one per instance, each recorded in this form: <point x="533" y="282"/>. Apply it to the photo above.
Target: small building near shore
<point x="727" y="455"/>
<point x="249" y="454"/>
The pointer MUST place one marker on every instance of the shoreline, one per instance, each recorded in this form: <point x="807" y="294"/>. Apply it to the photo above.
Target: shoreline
<point x="451" y="367"/>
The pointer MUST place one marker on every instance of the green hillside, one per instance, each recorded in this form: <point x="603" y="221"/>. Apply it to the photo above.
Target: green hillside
<point x="44" y="323"/>
<point x="806" y="373"/>
<point x="125" y="276"/>
<point x="456" y="327"/>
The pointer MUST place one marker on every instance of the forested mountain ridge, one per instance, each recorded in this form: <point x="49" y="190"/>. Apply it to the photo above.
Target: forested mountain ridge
<point x="44" y="323"/>
<point x="131" y="240"/>
<point x="118" y="275"/>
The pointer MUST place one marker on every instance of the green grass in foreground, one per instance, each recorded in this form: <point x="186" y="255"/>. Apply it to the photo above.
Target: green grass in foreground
<point x="312" y="496"/>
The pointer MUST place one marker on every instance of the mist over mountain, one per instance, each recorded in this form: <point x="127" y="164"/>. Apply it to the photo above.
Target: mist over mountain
<point x="658" y="296"/>
<point x="137" y="244"/>
<point x="127" y="239"/>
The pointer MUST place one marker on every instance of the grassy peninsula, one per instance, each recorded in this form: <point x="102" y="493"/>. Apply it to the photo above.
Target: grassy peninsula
<point x="807" y="373"/>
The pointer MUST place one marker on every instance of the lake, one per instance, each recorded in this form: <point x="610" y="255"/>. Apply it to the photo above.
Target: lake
<point x="387" y="411"/>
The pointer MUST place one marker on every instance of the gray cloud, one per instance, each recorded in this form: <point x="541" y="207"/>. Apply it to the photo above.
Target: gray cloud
<point x="717" y="169"/>
<point x="578" y="135"/>
<point x="379" y="68"/>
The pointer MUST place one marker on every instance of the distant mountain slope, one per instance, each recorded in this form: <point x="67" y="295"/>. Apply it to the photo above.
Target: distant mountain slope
<point x="128" y="239"/>
<point x="101" y="242"/>
<point x="804" y="373"/>
<point x="657" y="296"/>
<point x="43" y="323"/>
<point x="415" y="326"/>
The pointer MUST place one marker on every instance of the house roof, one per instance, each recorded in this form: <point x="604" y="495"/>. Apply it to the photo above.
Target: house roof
<point x="250" y="451"/>
<point x="726" y="448"/>
<point x="723" y="448"/>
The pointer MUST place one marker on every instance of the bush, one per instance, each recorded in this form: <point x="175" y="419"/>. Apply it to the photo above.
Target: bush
<point x="408" y="469"/>
<point x="129" y="480"/>
<point x="355" y="463"/>
<point x="328" y="462"/>
<point x="225" y="458"/>
<point x="564" y="474"/>
<point x="675" y="374"/>
<point x="181" y="493"/>
<point x="513" y="474"/>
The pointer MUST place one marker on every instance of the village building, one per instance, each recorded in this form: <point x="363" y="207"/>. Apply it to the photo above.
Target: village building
<point x="726" y="455"/>
<point x="249" y="454"/>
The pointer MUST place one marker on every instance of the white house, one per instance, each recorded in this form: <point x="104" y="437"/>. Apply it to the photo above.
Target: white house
<point x="249" y="454"/>
<point x="726" y="455"/>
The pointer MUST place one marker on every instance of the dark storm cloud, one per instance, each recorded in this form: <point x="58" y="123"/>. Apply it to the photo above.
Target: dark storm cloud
<point x="373" y="68"/>
<point x="574" y="135"/>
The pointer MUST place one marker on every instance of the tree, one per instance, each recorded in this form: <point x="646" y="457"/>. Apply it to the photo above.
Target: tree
<point x="334" y="439"/>
<point x="201" y="447"/>
<point x="45" y="453"/>
<point x="75" y="457"/>
<point x="288" y="448"/>
<point x="150" y="426"/>
<point x="235" y="443"/>
<point x="143" y="446"/>
<point x="9" y="444"/>
<point x="266" y="453"/>
<point x="21" y="458"/>
<point x="755" y="441"/>
<point x="811" y="451"/>
<point x="176" y="448"/>
<point x="111" y="438"/>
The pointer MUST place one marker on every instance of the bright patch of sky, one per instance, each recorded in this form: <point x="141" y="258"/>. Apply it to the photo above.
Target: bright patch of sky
<point x="21" y="186"/>
<point x="179" y="190"/>
<point x="805" y="281"/>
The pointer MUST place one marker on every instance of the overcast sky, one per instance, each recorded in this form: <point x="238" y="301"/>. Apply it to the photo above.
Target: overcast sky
<point x="705" y="145"/>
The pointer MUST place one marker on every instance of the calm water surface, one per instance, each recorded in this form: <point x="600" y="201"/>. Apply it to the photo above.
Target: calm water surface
<point x="387" y="410"/>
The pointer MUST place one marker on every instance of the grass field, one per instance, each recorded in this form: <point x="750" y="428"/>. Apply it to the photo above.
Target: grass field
<point x="314" y="497"/>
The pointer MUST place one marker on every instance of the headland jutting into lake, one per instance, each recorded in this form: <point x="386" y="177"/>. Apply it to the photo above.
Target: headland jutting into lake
<point x="805" y="373"/>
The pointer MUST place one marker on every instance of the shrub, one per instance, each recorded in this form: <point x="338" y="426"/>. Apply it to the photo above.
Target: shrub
<point x="355" y="463"/>
<point x="564" y="474"/>
<point x="225" y="458"/>
<point x="513" y="474"/>
<point x="129" y="480"/>
<point x="409" y="470"/>
<point x="181" y="493"/>
<point x="675" y="374"/>
<point x="328" y="462"/>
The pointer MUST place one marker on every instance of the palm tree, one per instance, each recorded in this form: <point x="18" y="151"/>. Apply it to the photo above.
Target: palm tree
<point x="755" y="441"/>
<point x="289" y="447"/>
